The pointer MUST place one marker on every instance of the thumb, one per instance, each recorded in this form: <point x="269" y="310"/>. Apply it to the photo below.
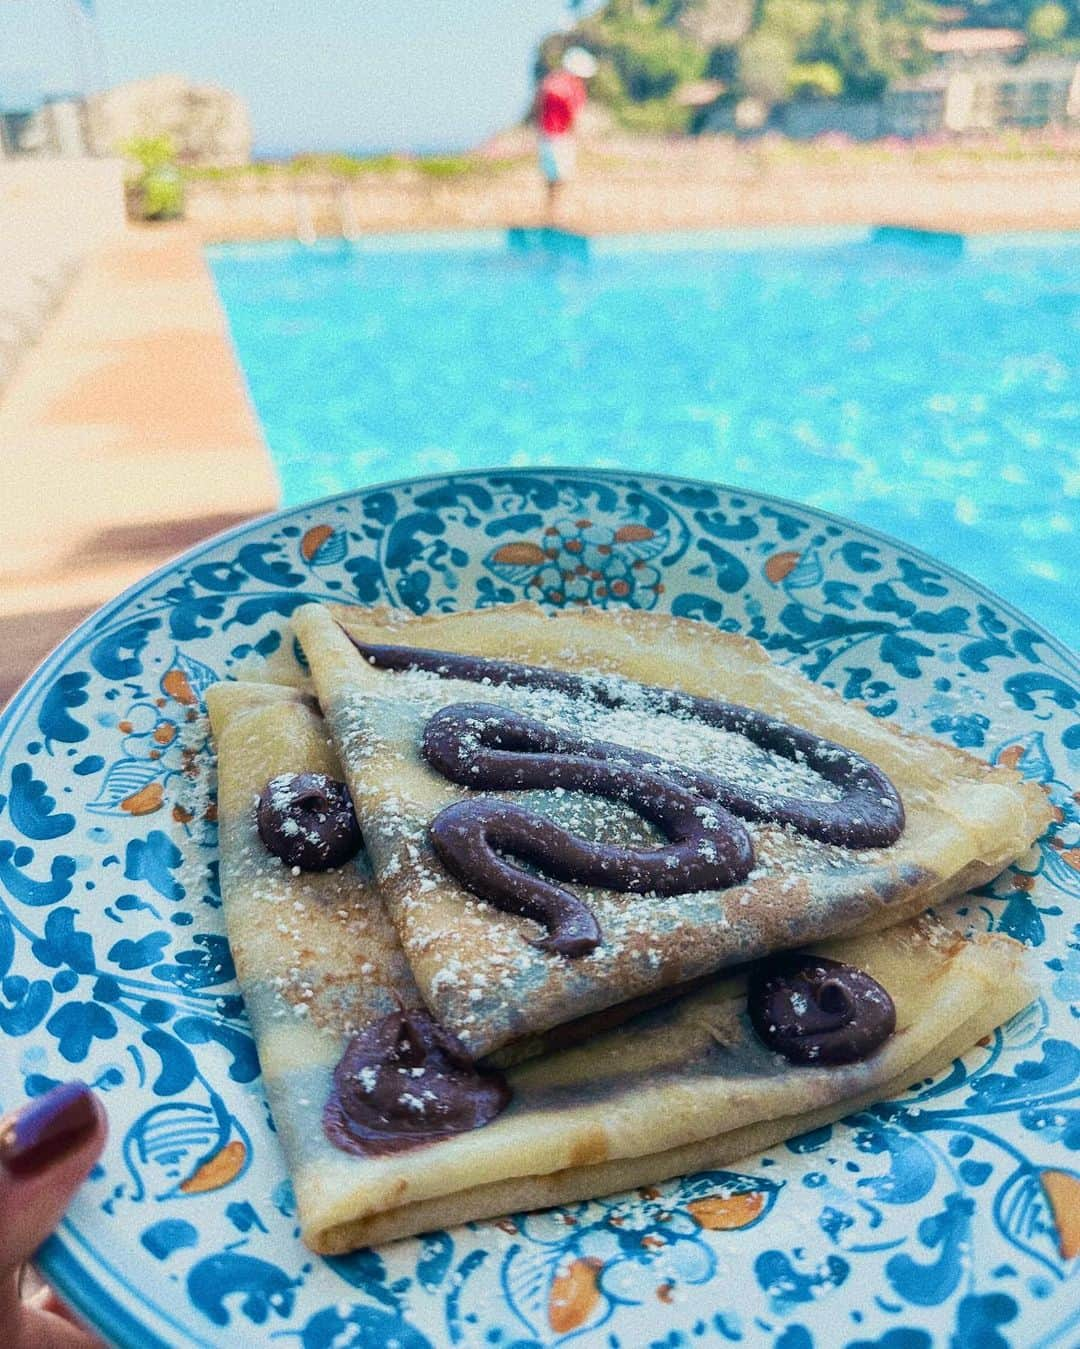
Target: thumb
<point x="46" y="1151"/>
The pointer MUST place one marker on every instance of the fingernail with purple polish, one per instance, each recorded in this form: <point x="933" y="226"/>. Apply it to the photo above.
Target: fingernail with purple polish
<point x="46" y="1129"/>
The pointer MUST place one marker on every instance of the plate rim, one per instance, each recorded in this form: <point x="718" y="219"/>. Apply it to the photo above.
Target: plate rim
<point x="130" y="592"/>
<point x="56" y="1260"/>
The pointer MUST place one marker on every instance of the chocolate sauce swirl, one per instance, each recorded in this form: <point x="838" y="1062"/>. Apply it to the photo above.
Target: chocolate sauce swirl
<point x="405" y="1081"/>
<point x="818" y="1011"/>
<point x="485" y="747"/>
<point x="869" y="813"/>
<point x="482" y="744"/>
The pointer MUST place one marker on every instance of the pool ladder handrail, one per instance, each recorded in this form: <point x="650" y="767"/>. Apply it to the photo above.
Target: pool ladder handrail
<point x="350" y="226"/>
<point x="304" y="218"/>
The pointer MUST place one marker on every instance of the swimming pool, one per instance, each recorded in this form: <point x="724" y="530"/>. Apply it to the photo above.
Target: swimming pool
<point x="927" y="388"/>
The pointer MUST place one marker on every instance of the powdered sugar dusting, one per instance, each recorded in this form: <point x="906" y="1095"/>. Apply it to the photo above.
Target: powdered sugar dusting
<point x="474" y="964"/>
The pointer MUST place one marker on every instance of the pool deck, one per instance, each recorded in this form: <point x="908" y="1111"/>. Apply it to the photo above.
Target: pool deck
<point x="126" y="435"/>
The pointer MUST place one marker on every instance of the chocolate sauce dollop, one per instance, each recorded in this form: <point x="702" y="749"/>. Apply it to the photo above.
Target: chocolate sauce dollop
<point x="406" y="1081"/>
<point x="307" y="819"/>
<point x="818" y="1011"/>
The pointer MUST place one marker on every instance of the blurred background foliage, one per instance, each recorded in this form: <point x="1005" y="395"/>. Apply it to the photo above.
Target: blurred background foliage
<point x="652" y="51"/>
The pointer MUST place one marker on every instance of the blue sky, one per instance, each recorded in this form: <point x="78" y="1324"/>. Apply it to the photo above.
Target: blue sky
<point x="318" y="74"/>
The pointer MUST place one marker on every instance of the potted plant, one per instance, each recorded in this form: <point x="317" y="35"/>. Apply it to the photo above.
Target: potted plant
<point x="156" y="191"/>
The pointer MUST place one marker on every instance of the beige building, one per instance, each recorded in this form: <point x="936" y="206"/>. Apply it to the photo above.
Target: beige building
<point x="980" y="83"/>
<point x="985" y="95"/>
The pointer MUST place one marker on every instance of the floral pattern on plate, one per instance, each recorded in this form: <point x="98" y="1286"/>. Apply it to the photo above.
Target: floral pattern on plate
<point x="948" y="1217"/>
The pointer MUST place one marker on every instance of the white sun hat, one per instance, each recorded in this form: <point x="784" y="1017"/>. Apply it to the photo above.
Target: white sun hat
<point x="579" y="62"/>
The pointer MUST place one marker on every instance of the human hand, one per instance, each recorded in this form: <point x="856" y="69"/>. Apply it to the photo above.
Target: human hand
<point x="46" y="1151"/>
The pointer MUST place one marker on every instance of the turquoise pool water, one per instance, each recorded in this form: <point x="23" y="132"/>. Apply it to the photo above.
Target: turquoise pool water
<point x="928" y="389"/>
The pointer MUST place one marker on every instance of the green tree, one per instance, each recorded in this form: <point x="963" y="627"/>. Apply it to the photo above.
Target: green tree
<point x="1047" y="25"/>
<point x="768" y="57"/>
<point x="652" y="59"/>
<point x="814" y="79"/>
<point x="606" y="86"/>
<point x="766" y="60"/>
<point x="871" y="42"/>
<point x="795" y="20"/>
<point x="157" y="190"/>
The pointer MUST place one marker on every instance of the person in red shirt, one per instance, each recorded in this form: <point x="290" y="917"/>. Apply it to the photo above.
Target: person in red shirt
<point x="559" y="99"/>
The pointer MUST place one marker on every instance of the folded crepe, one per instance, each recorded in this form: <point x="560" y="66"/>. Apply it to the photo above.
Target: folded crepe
<point x="677" y="1087"/>
<point x="315" y="945"/>
<point x="478" y="968"/>
<point x="684" y="1086"/>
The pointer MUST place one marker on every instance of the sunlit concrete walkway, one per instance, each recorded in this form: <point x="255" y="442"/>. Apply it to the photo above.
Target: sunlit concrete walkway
<point x="126" y="435"/>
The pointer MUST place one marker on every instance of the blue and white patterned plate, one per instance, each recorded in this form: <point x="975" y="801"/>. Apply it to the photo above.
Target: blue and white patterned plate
<point x="951" y="1217"/>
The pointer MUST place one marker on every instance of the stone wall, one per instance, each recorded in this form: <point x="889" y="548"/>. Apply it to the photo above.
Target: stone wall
<point x="719" y="192"/>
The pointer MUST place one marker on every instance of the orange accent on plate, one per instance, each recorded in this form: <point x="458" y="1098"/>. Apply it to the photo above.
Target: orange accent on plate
<point x="1011" y="755"/>
<point x="165" y="734"/>
<point x="145" y="801"/>
<point x="1062" y="1190"/>
<point x="634" y="534"/>
<point x="726" y="1212"/>
<point x="520" y="554"/>
<point x="780" y="565"/>
<point x="1071" y="857"/>
<point x="574" y="1295"/>
<point x="182" y="816"/>
<point x="314" y="539"/>
<point x="218" y="1170"/>
<point x="176" y="685"/>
